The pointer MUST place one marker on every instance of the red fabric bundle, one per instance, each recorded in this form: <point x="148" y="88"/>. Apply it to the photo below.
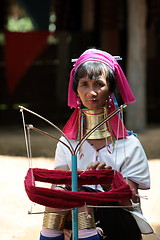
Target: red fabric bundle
<point x="68" y="199"/>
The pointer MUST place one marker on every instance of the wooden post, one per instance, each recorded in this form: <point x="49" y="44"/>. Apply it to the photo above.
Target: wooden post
<point x="61" y="83"/>
<point x="88" y="15"/>
<point x="136" y="63"/>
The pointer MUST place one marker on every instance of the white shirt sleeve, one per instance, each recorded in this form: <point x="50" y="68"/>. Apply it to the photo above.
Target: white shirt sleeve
<point x="62" y="155"/>
<point x="135" y="167"/>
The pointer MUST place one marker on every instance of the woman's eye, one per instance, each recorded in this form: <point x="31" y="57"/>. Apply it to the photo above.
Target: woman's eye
<point x="83" y="84"/>
<point x="100" y="84"/>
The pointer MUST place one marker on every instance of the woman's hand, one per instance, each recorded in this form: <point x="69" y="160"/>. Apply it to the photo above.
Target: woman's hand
<point x="135" y="197"/>
<point x="98" y="165"/>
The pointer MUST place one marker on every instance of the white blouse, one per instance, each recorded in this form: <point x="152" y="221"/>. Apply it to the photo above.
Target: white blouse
<point x="126" y="156"/>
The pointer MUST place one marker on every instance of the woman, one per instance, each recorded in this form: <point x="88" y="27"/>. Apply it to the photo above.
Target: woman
<point x="93" y="81"/>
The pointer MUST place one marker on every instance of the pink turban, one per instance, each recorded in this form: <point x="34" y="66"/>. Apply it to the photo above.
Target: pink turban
<point x="104" y="57"/>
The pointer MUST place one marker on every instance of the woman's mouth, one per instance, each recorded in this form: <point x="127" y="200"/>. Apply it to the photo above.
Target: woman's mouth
<point x="91" y="99"/>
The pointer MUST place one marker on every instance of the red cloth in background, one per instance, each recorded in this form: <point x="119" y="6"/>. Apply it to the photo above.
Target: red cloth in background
<point x="21" y="49"/>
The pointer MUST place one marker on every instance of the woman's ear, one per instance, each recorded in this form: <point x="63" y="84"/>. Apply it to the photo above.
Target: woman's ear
<point x="78" y="100"/>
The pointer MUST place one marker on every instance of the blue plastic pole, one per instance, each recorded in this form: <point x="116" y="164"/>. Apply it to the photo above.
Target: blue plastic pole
<point x="74" y="188"/>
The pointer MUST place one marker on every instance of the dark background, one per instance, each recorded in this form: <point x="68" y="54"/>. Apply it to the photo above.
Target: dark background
<point x="43" y="86"/>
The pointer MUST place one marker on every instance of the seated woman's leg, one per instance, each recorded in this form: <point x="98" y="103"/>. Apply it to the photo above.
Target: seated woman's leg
<point x="117" y="223"/>
<point x="53" y="223"/>
<point x="86" y="224"/>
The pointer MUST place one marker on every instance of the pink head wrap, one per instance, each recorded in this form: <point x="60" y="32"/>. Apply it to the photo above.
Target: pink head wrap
<point x="101" y="56"/>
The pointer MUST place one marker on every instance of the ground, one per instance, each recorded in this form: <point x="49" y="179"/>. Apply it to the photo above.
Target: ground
<point x="15" y="221"/>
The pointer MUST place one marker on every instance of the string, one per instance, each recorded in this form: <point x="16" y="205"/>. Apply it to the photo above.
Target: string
<point x="88" y="206"/>
<point x="125" y="155"/>
<point x="55" y="211"/>
<point x="29" y="146"/>
<point x="134" y="206"/>
<point x="30" y="160"/>
<point x="27" y="139"/>
<point x="81" y="124"/>
<point x="28" y="149"/>
<point x="116" y="143"/>
<point x="105" y="115"/>
<point x="25" y="133"/>
<point x="53" y="125"/>
<point x="109" y="146"/>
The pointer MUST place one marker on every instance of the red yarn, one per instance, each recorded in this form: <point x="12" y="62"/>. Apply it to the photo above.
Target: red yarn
<point x="68" y="199"/>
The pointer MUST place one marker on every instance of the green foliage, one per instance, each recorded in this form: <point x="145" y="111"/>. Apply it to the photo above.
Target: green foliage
<point x="20" y="25"/>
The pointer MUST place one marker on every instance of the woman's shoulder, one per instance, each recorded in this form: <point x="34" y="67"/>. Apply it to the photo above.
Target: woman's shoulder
<point x="134" y="139"/>
<point x="131" y="142"/>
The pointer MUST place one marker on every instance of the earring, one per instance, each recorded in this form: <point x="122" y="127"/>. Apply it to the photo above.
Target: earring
<point x="109" y="101"/>
<point x="78" y="102"/>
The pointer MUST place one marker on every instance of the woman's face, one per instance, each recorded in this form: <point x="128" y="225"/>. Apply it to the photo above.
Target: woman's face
<point x="93" y="92"/>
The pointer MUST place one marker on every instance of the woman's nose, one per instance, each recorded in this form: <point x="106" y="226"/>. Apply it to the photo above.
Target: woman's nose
<point x="92" y="92"/>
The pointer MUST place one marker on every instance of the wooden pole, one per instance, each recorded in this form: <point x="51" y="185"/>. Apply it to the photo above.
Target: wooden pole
<point x="136" y="63"/>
